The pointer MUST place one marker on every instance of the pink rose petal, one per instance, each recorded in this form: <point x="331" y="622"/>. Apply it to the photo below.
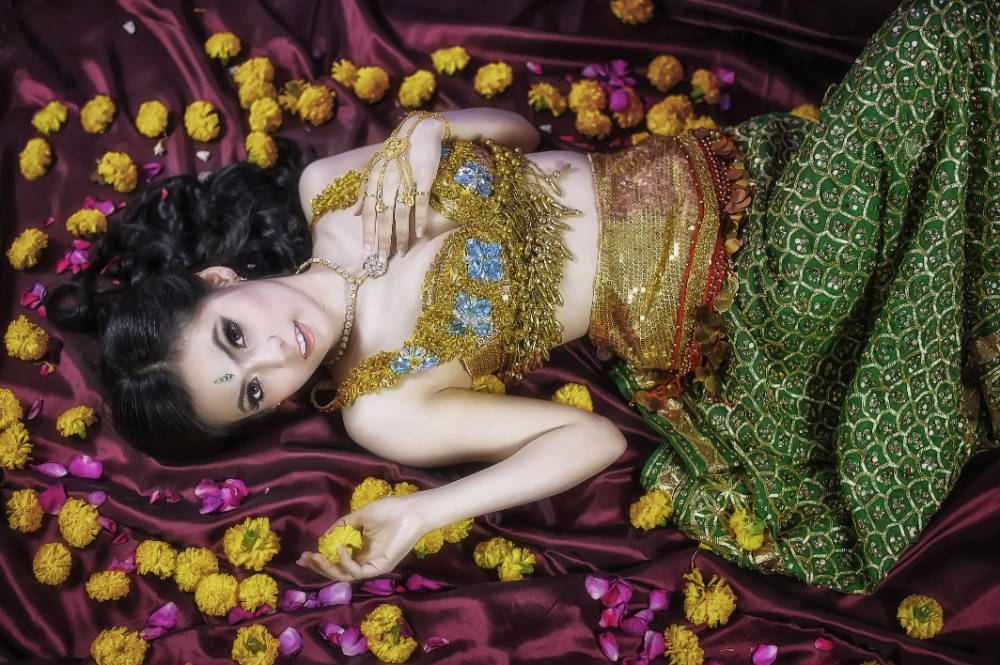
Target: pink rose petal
<point x="161" y="621"/>
<point x="85" y="466"/>
<point x="763" y="654"/>
<point x="420" y="583"/>
<point x="330" y="631"/>
<point x="97" y="498"/>
<point x="618" y="101"/>
<point x="122" y="537"/>
<point x="155" y="496"/>
<point x="237" y="487"/>
<point x="172" y="496"/>
<point x="49" y="221"/>
<point x="338" y="593"/>
<point x="652" y="644"/>
<point x="292" y="599"/>
<point x="210" y="504"/>
<point x="312" y="600"/>
<point x="659" y="599"/>
<point x="612" y="616"/>
<point x="619" y="592"/>
<point x="238" y="614"/>
<point x="126" y="566"/>
<point x="107" y="523"/>
<point x="633" y="626"/>
<point x="151" y="170"/>
<point x="52" y="469"/>
<point x="596" y="587"/>
<point x="404" y="628"/>
<point x="534" y="68"/>
<point x="206" y="487"/>
<point x="33" y="297"/>
<point x="432" y="643"/>
<point x="352" y="642"/>
<point x="609" y="645"/>
<point x="107" y="207"/>
<point x="725" y="102"/>
<point x="383" y="586"/>
<point x="289" y="642"/>
<point x="52" y="499"/>
<point x="726" y="76"/>
<point x="36" y="408"/>
<point x="823" y="644"/>
<point x="46" y="368"/>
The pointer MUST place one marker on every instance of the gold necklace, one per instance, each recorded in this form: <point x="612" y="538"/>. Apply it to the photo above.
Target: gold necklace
<point x="374" y="267"/>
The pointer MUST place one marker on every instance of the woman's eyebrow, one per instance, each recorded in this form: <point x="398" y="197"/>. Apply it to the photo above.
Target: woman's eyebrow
<point x="241" y="397"/>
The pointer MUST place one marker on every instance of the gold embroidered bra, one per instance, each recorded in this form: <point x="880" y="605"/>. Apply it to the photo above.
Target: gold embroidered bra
<point x="489" y="296"/>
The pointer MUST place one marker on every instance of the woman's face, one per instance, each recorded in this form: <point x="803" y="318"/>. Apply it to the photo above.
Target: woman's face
<point x="251" y="345"/>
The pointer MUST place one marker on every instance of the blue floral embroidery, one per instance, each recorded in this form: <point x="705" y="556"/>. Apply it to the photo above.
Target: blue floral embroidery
<point x="412" y="358"/>
<point x="475" y="178"/>
<point x="484" y="260"/>
<point x="471" y="312"/>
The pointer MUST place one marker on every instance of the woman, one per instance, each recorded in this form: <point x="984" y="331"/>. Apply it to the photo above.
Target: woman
<point x="861" y="336"/>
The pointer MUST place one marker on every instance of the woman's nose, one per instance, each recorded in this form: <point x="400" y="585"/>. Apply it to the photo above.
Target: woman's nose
<point x="272" y="351"/>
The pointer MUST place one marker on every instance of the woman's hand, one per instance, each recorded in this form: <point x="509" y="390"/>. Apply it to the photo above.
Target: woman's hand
<point x="391" y="528"/>
<point x="399" y="180"/>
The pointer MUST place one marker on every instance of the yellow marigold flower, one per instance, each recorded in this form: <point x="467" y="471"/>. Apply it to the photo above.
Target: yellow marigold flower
<point x="870" y="662"/>
<point x="254" y="645"/>
<point x="289" y="96"/>
<point x="193" y="564"/>
<point x="371" y="84"/>
<point x="87" y="222"/>
<point x="157" y="557"/>
<point x="450" y="60"/>
<point x="370" y="489"/>
<point x="78" y="522"/>
<point x="256" y="591"/>
<point x="699" y="122"/>
<point x="15" y="449"/>
<point x="223" y="45"/>
<point x="546" y="97"/>
<point x="417" y="88"/>
<point x="706" y="83"/>
<point x="593" y="124"/>
<point x="631" y="115"/>
<point x="75" y="421"/>
<point x="807" y="111"/>
<point x="651" y="510"/>
<point x="516" y="564"/>
<point x="259" y="69"/>
<point x="664" y="72"/>
<point x="261" y="150"/>
<point x="587" y="94"/>
<point x="108" y="585"/>
<point x="118" y="170"/>
<point x="749" y="530"/>
<point x="404" y="488"/>
<point x="25" y="340"/>
<point x="97" y="114"/>
<point x="151" y="119"/>
<point x="23" y="252"/>
<point x="316" y="104"/>
<point x="632" y="12"/>
<point x="921" y="616"/>
<point x="24" y="512"/>
<point x="35" y="159"/>
<point x="51" y="564"/>
<point x="710" y="603"/>
<point x="216" y="594"/>
<point x="344" y="72"/>
<point x="492" y="79"/>
<point x="575" y="394"/>
<point x="489" y="384"/>
<point x="50" y="118"/>
<point x="663" y="121"/>
<point x="201" y="121"/>
<point x="682" y="646"/>
<point x="251" y="544"/>
<point x="382" y="629"/>
<point x="429" y="543"/>
<point x="345" y="535"/>
<point x="456" y="531"/>
<point x="679" y="105"/>
<point x="118" y="646"/>
<point x="489" y="553"/>
<point x="265" y="115"/>
<point x="10" y="408"/>
<point x="255" y="89"/>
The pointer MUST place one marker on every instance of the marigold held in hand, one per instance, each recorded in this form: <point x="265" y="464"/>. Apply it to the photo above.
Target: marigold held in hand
<point x="118" y="170"/>
<point x="118" y="646"/>
<point x="75" y="421"/>
<point x="24" y="512"/>
<point x="87" y="222"/>
<point x="251" y="543"/>
<point x="78" y="522"/>
<point x="254" y="645"/>
<point x="201" y="121"/>
<point x="345" y="535"/>
<point x="152" y="118"/>
<point x="417" y="89"/>
<point x="15" y="449"/>
<point x="97" y="114"/>
<point x="50" y="118"/>
<point x="156" y="557"/>
<point x="52" y="563"/>
<point x="25" y="340"/>
<point x="35" y="159"/>
<point x="449" y="60"/>
<point x="26" y="248"/>
<point x="492" y="79"/>
<point x="371" y="84"/>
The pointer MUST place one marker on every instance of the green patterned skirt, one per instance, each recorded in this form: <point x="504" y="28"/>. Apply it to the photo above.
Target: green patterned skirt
<point x="863" y="367"/>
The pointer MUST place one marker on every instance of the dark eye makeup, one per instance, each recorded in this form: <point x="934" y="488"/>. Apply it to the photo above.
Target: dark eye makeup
<point x="234" y="334"/>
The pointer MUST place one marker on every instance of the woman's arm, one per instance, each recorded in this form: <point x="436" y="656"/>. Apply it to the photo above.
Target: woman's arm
<point x="504" y="127"/>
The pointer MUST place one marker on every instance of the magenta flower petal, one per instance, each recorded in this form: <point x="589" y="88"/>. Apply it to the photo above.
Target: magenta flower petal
<point x="172" y="496"/>
<point x="33" y="297"/>
<point x="151" y="170"/>
<point x="155" y="496"/>
<point x="763" y="654"/>
<point x="619" y="592"/>
<point x="107" y="207"/>
<point x="383" y="586"/>
<point x="122" y="537"/>
<point x="338" y="593"/>
<point x="85" y="466"/>
<point x="229" y="499"/>
<point x="107" y="523"/>
<point x="152" y="632"/>
<point x="264" y="610"/>
<point x="612" y="616"/>
<point x="609" y="645"/>
<point x="352" y="642"/>
<point x="166" y="616"/>
<point x="646" y="615"/>
<point x="725" y="102"/>
<point x="823" y="644"/>
<point x="619" y="67"/>
<point x="289" y="642"/>
<point x="237" y="487"/>
<point x="330" y="631"/>
<point x="97" y="498"/>
<point x="618" y="101"/>
<point x="659" y="599"/>
<point x="206" y="487"/>
<point x="596" y="587"/>
<point x="432" y="643"/>
<point x="652" y="644"/>
<point x="312" y="600"/>
<point x="52" y="499"/>
<point x="420" y="583"/>
<point x="238" y="614"/>
<point x="36" y="408"/>
<point x="590" y="71"/>
<point x="210" y="504"/>
<point x="49" y="221"/>
<point x="726" y="76"/>
<point x="633" y="626"/>
<point x="126" y="566"/>
<point x="292" y="599"/>
<point x="52" y="469"/>
<point x="534" y="68"/>
<point x="404" y="628"/>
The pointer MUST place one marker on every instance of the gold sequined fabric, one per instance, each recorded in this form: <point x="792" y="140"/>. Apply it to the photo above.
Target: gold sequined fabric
<point x="339" y="194"/>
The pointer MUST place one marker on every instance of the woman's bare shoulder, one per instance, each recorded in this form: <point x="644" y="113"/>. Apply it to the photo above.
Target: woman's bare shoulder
<point x="320" y="173"/>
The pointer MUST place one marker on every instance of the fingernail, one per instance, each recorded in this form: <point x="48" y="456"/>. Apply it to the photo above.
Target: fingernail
<point x="402" y="249"/>
<point x="368" y="247"/>
<point x="420" y="231"/>
<point x="383" y="253"/>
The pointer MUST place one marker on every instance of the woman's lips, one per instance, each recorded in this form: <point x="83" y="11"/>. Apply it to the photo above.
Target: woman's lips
<point x="310" y="340"/>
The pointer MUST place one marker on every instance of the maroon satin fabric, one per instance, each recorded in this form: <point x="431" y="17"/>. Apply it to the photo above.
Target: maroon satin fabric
<point x="300" y="469"/>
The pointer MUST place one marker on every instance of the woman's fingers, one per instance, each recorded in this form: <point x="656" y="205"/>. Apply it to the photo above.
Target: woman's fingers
<point x="401" y="217"/>
<point x="368" y="220"/>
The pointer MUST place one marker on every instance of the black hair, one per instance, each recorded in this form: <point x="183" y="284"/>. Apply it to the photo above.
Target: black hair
<point x="140" y="289"/>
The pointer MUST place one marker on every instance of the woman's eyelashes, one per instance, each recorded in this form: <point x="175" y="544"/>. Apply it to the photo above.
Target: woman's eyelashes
<point x="234" y="333"/>
<point x="255" y="394"/>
